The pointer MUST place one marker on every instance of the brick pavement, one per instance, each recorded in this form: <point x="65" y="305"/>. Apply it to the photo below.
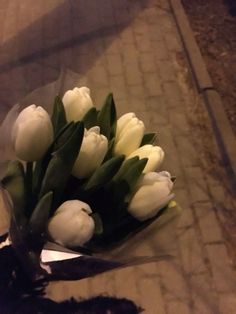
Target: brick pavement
<point x="133" y="49"/>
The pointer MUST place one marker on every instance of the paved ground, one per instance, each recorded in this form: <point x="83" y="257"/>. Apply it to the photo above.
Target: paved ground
<point x="133" y="49"/>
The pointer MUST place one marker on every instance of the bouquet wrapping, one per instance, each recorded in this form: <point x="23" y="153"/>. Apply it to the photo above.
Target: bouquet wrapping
<point x="79" y="186"/>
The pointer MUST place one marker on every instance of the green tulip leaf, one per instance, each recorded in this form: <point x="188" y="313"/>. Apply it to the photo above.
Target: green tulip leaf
<point x="124" y="183"/>
<point x="110" y="150"/>
<point x="107" y="117"/>
<point x="98" y="224"/>
<point x="40" y="168"/>
<point x="105" y="172"/>
<point x="58" y="115"/>
<point x="61" y="164"/>
<point x="14" y="183"/>
<point x="133" y="174"/>
<point x="90" y="118"/>
<point x="125" y="167"/>
<point x="148" y="138"/>
<point x="63" y="136"/>
<point x="39" y="218"/>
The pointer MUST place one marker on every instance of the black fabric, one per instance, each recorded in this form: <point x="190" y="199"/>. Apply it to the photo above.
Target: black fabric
<point x="19" y="295"/>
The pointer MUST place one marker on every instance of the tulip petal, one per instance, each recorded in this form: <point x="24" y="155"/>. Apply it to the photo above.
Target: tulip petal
<point x="77" y="103"/>
<point x="155" y="155"/>
<point x="122" y="121"/>
<point x="152" y="193"/>
<point x="154" y="160"/>
<point x="130" y="142"/>
<point x="33" y="139"/>
<point x="32" y="133"/>
<point x="79" y="226"/>
<point x="92" y="153"/>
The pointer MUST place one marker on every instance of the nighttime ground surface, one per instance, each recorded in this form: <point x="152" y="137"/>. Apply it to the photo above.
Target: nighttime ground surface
<point x="214" y="26"/>
<point x="132" y="47"/>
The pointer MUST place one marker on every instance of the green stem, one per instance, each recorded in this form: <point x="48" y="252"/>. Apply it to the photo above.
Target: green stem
<point x="29" y="190"/>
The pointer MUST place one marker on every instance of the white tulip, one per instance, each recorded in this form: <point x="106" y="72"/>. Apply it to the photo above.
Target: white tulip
<point x="32" y="133"/>
<point x="71" y="224"/>
<point x="152" y="194"/>
<point x="155" y="155"/>
<point x="77" y="103"/>
<point x="129" y="134"/>
<point x="92" y="152"/>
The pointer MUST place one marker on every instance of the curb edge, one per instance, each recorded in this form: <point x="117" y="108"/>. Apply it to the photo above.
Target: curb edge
<point x="220" y="123"/>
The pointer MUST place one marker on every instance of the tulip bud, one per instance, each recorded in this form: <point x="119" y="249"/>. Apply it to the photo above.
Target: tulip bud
<point x="71" y="224"/>
<point x="92" y="152"/>
<point x="129" y="134"/>
<point x="153" y="193"/>
<point x="77" y="103"/>
<point x="32" y="133"/>
<point x="155" y="155"/>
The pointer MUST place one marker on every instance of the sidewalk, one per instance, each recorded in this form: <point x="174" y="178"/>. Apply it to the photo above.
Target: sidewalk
<point x="133" y="49"/>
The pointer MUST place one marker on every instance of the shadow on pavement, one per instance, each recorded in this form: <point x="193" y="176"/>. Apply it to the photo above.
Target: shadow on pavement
<point x="72" y="35"/>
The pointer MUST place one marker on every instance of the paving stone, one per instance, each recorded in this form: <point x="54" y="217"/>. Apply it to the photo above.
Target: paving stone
<point x="147" y="62"/>
<point x="112" y="44"/>
<point x="221" y="196"/>
<point x="140" y="27"/>
<point x="208" y="223"/>
<point x="197" y="185"/>
<point x="126" y="36"/>
<point x="143" y="43"/>
<point x="105" y="285"/>
<point x="155" y="34"/>
<point x="173" y="283"/>
<point x="221" y="268"/>
<point x="157" y="104"/>
<point x="99" y="95"/>
<point x="130" y="289"/>
<point x="182" y="198"/>
<point x="174" y="307"/>
<point x="204" y="296"/>
<point x="191" y="251"/>
<point x="114" y="64"/>
<point x="153" y="84"/>
<point x="118" y="86"/>
<point x="98" y="76"/>
<point x="187" y="150"/>
<point x="173" y="92"/>
<point x="165" y="140"/>
<point x="133" y="74"/>
<point x="130" y="48"/>
<point x="173" y="42"/>
<point x="160" y="50"/>
<point x="166" y="70"/>
<point x="152" y="16"/>
<point x="130" y="53"/>
<point x="58" y="292"/>
<point x="227" y="303"/>
<point x="123" y="106"/>
<point x="137" y="91"/>
<point x="148" y="283"/>
<point x="166" y="21"/>
<point x="178" y="120"/>
<point x="137" y="104"/>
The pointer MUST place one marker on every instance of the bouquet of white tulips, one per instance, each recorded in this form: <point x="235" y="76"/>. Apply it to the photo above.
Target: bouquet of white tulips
<point x="82" y="178"/>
